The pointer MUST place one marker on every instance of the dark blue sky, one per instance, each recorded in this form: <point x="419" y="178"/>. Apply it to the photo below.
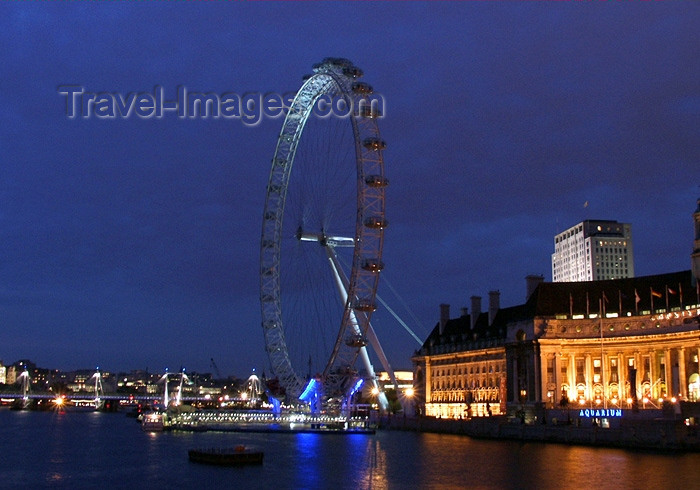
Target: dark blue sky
<point x="134" y="243"/>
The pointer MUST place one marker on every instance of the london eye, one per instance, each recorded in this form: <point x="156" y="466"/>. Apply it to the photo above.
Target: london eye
<point x="322" y="236"/>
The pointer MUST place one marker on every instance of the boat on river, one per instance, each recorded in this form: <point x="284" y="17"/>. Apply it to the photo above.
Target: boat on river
<point x="153" y="422"/>
<point x="236" y="456"/>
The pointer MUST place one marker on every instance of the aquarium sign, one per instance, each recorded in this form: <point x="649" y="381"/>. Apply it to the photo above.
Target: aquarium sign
<point x="603" y="412"/>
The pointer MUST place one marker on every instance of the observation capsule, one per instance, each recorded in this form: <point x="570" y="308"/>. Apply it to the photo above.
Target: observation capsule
<point x="356" y="340"/>
<point x="376" y="181"/>
<point x="369" y="111"/>
<point x="352" y="72"/>
<point x="372" y="265"/>
<point x="375" y="144"/>
<point x="376" y="222"/>
<point x="364" y="305"/>
<point x="362" y="88"/>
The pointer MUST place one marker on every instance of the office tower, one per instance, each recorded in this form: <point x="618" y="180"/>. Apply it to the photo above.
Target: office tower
<point x="593" y="250"/>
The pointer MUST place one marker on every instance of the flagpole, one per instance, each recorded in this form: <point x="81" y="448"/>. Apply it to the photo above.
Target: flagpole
<point x="619" y="296"/>
<point x="588" y="306"/>
<point x="571" y="305"/>
<point x="602" y="359"/>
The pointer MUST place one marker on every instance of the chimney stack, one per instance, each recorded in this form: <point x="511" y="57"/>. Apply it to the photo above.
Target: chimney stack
<point x="464" y="312"/>
<point x="532" y="281"/>
<point x="476" y="309"/>
<point x="444" y="316"/>
<point x="494" y="304"/>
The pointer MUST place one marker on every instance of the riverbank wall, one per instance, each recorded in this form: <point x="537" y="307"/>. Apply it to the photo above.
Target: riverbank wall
<point x="642" y="433"/>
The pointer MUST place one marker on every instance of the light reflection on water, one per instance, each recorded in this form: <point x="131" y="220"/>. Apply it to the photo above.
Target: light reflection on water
<point x="85" y="450"/>
<point x="373" y="471"/>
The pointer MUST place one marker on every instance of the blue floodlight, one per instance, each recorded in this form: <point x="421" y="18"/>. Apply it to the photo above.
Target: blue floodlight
<point x="357" y="386"/>
<point x="310" y="392"/>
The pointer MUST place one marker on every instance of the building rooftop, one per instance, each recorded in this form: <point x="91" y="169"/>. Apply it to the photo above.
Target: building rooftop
<point x="551" y="299"/>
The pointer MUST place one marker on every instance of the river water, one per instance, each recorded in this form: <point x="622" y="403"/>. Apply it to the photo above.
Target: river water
<point x="109" y="450"/>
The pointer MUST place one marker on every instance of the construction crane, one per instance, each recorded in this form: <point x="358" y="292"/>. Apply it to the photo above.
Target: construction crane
<point x="215" y="368"/>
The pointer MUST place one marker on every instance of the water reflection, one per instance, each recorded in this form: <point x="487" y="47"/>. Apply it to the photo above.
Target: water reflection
<point x="55" y="442"/>
<point x="373" y="467"/>
<point x="80" y="450"/>
<point x="308" y="464"/>
<point x="503" y="464"/>
<point x="358" y="461"/>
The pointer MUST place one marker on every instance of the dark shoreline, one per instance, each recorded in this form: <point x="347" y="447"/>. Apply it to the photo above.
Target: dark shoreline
<point x="660" y="435"/>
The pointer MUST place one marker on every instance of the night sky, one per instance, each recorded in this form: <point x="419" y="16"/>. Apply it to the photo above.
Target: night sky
<point x="133" y="243"/>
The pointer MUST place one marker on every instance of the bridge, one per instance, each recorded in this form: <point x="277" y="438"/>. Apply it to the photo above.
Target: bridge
<point x="86" y="396"/>
<point x="98" y="397"/>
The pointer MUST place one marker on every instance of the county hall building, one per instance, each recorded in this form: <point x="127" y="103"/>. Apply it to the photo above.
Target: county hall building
<point x="629" y="342"/>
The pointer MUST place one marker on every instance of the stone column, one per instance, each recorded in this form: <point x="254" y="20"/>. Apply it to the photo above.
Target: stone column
<point x="537" y="366"/>
<point x="544" y="364"/>
<point x="638" y="366"/>
<point x="572" y="373"/>
<point x="428" y="379"/>
<point x="622" y="375"/>
<point x="652" y="374"/>
<point x="668" y="373"/>
<point x="682" y="379"/>
<point x="589" y="376"/>
<point x="556" y="394"/>
<point x="604" y="373"/>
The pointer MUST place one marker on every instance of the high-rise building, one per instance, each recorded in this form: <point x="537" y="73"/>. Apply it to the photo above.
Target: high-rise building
<point x="695" y="256"/>
<point x="593" y="250"/>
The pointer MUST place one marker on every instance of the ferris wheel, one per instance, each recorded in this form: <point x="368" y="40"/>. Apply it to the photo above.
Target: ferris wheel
<point x="322" y="235"/>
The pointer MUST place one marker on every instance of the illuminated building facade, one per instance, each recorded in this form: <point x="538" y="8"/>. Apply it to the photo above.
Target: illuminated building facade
<point x="630" y="342"/>
<point x="404" y="380"/>
<point x="609" y="343"/>
<point x="460" y="370"/>
<point x="593" y="251"/>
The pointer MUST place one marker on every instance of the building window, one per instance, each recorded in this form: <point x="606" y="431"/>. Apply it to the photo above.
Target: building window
<point x="596" y="371"/>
